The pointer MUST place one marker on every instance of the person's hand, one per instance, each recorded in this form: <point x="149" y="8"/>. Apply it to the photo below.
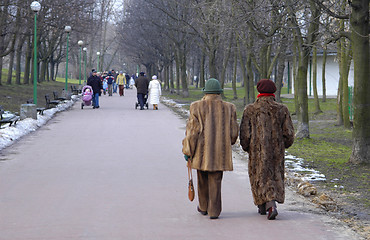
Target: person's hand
<point x="186" y="157"/>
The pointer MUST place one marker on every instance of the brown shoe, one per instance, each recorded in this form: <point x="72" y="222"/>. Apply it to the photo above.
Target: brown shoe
<point x="272" y="213"/>
<point x="213" y="217"/>
<point x="202" y="212"/>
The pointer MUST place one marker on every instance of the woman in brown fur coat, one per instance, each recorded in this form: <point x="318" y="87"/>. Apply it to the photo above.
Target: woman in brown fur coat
<point x="266" y="130"/>
<point x="211" y="129"/>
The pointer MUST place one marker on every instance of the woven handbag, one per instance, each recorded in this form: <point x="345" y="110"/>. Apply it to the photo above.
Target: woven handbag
<point x="191" y="192"/>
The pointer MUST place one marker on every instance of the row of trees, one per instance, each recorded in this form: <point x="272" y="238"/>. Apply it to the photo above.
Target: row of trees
<point x="90" y="20"/>
<point x="255" y="39"/>
<point x="224" y="39"/>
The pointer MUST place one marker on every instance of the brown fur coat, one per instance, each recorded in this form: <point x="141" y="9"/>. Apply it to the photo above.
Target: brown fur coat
<point x="266" y="130"/>
<point x="211" y="129"/>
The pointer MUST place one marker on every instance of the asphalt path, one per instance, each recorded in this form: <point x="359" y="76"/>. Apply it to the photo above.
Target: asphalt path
<point x="118" y="173"/>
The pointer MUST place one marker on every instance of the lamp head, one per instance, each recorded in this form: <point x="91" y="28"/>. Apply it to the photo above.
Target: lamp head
<point x="80" y="43"/>
<point x="84" y="49"/>
<point x="98" y="53"/>
<point x="35" y="6"/>
<point x="67" y="29"/>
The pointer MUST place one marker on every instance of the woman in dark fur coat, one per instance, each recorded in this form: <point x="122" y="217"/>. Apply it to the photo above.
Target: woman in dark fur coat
<point x="266" y="130"/>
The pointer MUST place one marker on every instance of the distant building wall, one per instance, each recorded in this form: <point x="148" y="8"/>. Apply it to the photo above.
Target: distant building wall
<point x="331" y="76"/>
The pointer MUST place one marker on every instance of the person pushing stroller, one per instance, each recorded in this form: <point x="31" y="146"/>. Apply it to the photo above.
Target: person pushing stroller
<point x="141" y="85"/>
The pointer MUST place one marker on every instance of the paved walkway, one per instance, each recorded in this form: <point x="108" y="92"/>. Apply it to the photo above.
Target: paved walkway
<point x="118" y="173"/>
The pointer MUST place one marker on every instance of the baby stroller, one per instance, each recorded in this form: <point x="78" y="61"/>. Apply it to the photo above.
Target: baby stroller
<point x="137" y="104"/>
<point x="87" y="95"/>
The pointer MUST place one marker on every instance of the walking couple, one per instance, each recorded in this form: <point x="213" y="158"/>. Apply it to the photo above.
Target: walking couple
<point x="266" y="130"/>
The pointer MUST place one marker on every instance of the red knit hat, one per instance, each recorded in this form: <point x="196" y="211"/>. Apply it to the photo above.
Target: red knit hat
<point x="266" y="86"/>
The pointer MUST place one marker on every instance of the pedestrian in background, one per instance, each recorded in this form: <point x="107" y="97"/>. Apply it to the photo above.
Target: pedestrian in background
<point x="154" y="92"/>
<point x="266" y="130"/>
<point x="141" y="85"/>
<point x="110" y="79"/>
<point x="211" y="129"/>
<point x="127" y="84"/>
<point x="95" y="82"/>
<point x="121" y="80"/>
<point x="115" y="85"/>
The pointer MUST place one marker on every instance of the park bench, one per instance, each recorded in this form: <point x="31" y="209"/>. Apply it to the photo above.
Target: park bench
<point x="56" y="96"/>
<point x="75" y="90"/>
<point x="9" y="119"/>
<point x="39" y="110"/>
<point x="50" y="103"/>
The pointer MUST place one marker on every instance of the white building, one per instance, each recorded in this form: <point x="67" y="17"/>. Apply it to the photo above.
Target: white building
<point x="331" y="76"/>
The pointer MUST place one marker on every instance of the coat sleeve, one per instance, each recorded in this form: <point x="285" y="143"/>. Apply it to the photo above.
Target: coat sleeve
<point x="245" y="130"/>
<point x="234" y="133"/>
<point x="189" y="143"/>
<point x="288" y="129"/>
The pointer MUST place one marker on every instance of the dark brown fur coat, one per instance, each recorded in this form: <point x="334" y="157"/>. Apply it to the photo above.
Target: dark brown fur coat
<point x="266" y="130"/>
<point x="211" y="129"/>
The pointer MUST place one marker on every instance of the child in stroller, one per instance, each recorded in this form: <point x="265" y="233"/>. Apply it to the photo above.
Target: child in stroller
<point x="87" y="95"/>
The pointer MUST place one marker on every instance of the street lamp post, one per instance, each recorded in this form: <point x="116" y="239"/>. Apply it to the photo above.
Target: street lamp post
<point x="80" y="43"/>
<point x="35" y="6"/>
<point x="97" y="69"/>
<point x="85" y="60"/>
<point x="67" y="29"/>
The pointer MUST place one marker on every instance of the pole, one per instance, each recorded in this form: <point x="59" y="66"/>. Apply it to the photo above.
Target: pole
<point x="79" y="79"/>
<point x="288" y="77"/>
<point x="310" y="77"/>
<point x="35" y="63"/>
<point x="85" y="66"/>
<point x="66" y="86"/>
<point x="98" y="64"/>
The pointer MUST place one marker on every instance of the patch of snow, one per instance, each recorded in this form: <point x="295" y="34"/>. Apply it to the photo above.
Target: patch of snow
<point x="8" y="135"/>
<point x="294" y="164"/>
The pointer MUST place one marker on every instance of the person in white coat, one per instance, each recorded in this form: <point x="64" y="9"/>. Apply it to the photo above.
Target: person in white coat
<point x="154" y="92"/>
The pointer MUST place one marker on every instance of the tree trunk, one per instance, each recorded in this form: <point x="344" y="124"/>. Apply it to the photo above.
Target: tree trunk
<point x="27" y="65"/>
<point x="212" y="64"/>
<point x="202" y="80"/>
<point x="18" y="62"/>
<point x="177" y="72"/>
<point x="279" y="78"/>
<point x="323" y="74"/>
<point x="234" y="76"/>
<point x="10" y="70"/>
<point x="43" y="71"/>
<point x="1" y="69"/>
<point x="184" y="82"/>
<point x="360" y="43"/>
<point x="302" y="111"/>
<point x="171" y="79"/>
<point x="314" y="82"/>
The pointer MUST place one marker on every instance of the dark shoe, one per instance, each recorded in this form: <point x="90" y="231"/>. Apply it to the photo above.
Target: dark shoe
<point x="262" y="209"/>
<point x="213" y="217"/>
<point x="97" y="107"/>
<point x="93" y="107"/>
<point x="272" y="213"/>
<point x="202" y="212"/>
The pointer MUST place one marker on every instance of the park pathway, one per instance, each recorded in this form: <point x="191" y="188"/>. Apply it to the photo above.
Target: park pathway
<point x="117" y="173"/>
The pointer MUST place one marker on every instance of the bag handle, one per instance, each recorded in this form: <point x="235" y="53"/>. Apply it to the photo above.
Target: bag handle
<point x="190" y="172"/>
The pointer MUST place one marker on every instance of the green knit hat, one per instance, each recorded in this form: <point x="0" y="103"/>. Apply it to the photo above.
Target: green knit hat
<point x="213" y="86"/>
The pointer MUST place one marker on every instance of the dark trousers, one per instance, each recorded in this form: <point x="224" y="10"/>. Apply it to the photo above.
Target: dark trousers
<point x="140" y="99"/>
<point x="121" y="89"/>
<point x="209" y="192"/>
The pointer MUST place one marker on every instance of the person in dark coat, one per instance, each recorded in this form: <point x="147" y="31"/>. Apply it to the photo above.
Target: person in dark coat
<point x="110" y="80"/>
<point x="266" y="130"/>
<point x="141" y="85"/>
<point x="95" y="82"/>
